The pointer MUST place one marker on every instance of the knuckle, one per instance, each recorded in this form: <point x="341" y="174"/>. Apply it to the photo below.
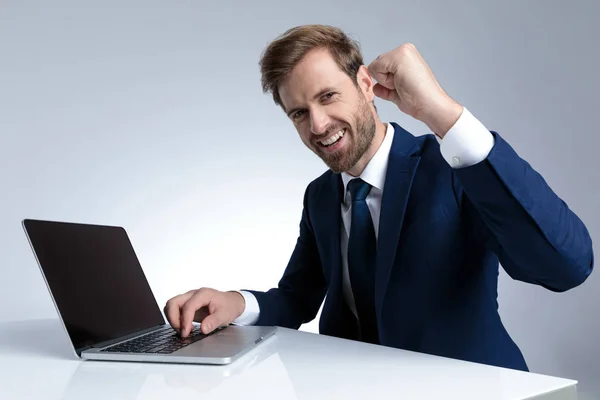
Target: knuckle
<point x="407" y="48"/>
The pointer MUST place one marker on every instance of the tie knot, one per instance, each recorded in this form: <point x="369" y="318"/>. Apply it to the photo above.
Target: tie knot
<point x="359" y="189"/>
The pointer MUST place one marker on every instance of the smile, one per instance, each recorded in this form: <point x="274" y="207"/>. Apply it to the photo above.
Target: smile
<point x="333" y="139"/>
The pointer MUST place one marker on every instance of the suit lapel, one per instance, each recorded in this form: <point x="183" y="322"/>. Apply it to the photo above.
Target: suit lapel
<point x="402" y="165"/>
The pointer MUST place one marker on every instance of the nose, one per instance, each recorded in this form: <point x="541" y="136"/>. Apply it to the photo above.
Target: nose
<point x="319" y="121"/>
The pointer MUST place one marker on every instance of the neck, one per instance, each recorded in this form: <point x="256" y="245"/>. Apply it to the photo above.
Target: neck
<point x="359" y="167"/>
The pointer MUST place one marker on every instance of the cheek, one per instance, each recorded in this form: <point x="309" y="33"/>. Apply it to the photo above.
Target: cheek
<point x="345" y="114"/>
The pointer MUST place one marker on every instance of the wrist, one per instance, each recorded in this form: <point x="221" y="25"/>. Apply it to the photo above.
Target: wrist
<point x="240" y="301"/>
<point x="442" y="116"/>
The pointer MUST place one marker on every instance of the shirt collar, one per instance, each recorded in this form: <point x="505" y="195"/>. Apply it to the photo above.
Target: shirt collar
<point x="375" y="171"/>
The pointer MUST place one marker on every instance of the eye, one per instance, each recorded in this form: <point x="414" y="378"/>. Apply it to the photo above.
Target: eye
<point x="328" y="95"/>
<point x="297" y="114"/>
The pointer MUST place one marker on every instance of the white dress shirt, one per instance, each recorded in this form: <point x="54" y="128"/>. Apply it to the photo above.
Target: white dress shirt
<point x="466" y="143"/>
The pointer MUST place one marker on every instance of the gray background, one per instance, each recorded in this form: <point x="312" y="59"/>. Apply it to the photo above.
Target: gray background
<point x="150" y="115"/>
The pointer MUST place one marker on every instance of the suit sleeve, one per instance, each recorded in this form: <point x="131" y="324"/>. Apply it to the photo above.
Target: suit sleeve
<point x="537" y="238"/>
<point x="301" y="290"/>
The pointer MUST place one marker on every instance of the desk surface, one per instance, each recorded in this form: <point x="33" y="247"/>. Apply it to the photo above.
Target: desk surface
<point x="37" y="362"/>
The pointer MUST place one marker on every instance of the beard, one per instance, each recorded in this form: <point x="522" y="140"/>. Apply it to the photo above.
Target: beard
<point x="347" y="157"/>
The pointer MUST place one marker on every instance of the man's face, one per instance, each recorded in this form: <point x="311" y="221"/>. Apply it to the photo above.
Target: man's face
<point x="332" y="115"/>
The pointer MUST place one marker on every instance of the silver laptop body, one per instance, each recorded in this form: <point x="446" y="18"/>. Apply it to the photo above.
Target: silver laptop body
<point x="107" y="307"/>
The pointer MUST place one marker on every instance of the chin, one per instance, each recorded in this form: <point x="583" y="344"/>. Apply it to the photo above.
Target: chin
<point x="338" y="167"/>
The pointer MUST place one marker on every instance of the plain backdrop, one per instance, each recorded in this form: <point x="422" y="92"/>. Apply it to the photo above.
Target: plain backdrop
<point x="150" y="115"/>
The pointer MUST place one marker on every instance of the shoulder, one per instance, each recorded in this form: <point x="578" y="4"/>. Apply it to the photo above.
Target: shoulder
<point x="434" y="173"/>
<point x="321" y="184"/>
<point x="430" y="145"/>
<point x="409" y="144"/>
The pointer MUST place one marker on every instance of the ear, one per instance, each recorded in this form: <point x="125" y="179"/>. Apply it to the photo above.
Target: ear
<point x="365" y="82"/>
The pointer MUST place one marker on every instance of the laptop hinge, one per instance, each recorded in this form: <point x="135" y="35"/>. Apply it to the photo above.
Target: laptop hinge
<point x="82" y="349"/>
<point x="119" y="339"/>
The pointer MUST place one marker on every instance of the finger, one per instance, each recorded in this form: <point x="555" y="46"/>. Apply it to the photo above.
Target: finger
<point x="381" y="70"/>
<point x="173" y="307"/>
<point x="385" y="93"/>
<point x="200" y="299"/>
<point x="213" y="321"/>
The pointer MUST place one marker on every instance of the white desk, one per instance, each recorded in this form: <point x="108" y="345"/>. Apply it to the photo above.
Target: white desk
<point x="37" y="362"/>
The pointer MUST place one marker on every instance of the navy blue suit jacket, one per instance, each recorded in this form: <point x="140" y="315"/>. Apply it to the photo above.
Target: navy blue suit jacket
<point x="442" y="234"/>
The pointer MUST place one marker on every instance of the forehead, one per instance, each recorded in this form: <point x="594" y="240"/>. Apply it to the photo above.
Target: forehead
<point x="316" y="71"/>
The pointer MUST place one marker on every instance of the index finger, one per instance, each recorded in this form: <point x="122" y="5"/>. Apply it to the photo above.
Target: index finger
<point x="381" y="70"/>
<point x="173" y="306"/>
<point x="200" y="299"/>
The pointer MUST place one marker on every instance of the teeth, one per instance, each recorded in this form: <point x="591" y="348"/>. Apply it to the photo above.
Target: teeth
<point x="334" y="138"/>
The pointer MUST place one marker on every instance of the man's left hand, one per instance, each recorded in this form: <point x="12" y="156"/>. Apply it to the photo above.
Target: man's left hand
<point x="405" y="79"/>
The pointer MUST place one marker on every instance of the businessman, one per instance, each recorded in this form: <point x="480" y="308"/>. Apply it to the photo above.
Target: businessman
<point x="402" y="235"/>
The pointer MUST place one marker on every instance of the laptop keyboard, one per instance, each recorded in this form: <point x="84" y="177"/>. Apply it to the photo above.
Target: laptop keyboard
<point x="163" y="341"/>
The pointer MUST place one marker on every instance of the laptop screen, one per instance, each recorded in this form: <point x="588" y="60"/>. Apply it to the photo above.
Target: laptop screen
<point x="95" y="278"/>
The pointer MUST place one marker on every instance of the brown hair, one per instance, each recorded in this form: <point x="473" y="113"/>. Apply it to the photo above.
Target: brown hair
<point x="282" y="55"/>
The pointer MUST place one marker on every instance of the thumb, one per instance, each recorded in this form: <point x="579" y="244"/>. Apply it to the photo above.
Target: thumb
<point x="213" y="321"/>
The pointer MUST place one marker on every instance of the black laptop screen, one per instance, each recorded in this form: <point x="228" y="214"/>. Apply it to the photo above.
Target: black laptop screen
<point x="96" y="280"/>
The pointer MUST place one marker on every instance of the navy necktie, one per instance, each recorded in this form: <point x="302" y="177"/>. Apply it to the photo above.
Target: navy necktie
<point x="361" y="260"/>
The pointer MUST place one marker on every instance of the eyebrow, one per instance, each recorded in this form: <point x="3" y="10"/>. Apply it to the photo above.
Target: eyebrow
<point x="316" y="96"/>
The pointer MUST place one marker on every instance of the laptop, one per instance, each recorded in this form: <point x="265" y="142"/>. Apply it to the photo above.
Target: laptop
<point x="107" y="307"/>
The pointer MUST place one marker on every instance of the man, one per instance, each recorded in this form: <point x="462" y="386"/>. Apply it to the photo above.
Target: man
<point x="403" y="234"/>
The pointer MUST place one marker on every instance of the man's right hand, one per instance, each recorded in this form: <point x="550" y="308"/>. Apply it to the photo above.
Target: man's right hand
<point x="210" y="307"/>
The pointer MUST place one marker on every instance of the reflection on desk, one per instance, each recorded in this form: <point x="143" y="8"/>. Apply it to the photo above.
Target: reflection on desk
<point x="37" y="362"/>
<point x="259" y="368"/>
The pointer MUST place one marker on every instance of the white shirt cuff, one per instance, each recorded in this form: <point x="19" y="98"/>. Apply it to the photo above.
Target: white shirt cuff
<point x="251" y="312"/>
<point x="467" y="143"/>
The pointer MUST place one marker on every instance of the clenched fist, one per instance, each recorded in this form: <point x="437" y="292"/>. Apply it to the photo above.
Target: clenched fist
<point x="404" y="78"/>
<point x="210" y="307"/>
